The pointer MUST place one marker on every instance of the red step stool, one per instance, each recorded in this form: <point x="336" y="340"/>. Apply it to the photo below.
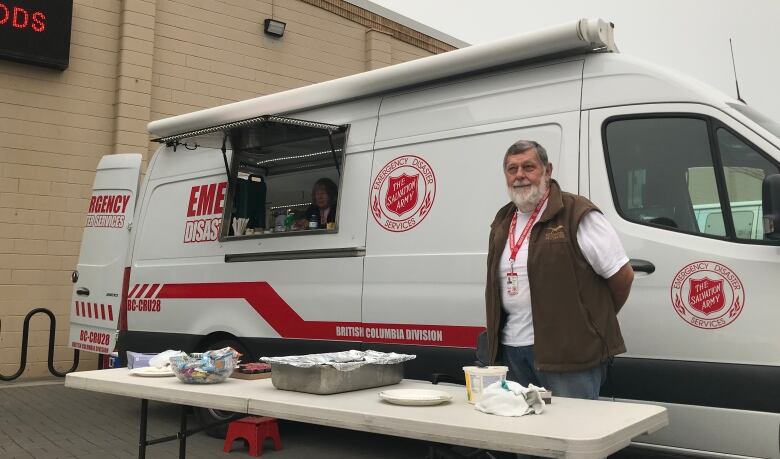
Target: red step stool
<point x="254" y="430"/>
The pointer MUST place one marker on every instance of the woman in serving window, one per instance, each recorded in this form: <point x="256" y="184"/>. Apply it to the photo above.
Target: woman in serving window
<point x="322" y="211"/>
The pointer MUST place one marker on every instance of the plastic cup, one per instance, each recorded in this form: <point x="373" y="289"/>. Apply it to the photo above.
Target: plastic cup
<point x="478" y="378"/>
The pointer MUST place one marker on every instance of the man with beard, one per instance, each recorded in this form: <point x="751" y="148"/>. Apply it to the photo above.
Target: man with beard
<point x="557" y="276"/>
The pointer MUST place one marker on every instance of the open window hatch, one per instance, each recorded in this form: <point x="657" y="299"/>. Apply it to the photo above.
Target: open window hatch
<point x="283" y="174"/>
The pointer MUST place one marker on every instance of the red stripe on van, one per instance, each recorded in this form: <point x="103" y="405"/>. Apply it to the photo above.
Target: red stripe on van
<point x="102" y="311"/>
<point x="132" y="292"/>
<point x="110" y="312"/>
<point x="89" y="311"/>
<point x="152" y="290"/>
<point x="123" y="302"/>
<point x="140" y="293"/>
<point x="285" y="321"/>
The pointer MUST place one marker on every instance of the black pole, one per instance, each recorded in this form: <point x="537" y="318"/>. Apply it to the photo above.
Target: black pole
<point x="224" y="155"/>
<point x="183" y="433"/>
<point x="333" y="152"/>
<point x="142" y="429"/>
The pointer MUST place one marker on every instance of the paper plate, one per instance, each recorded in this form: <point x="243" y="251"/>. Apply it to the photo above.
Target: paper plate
<point x="415" y="397"/>
<point x="151" y="372"/>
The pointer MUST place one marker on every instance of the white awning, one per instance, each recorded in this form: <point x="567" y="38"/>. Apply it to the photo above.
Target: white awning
<point x="582" y="36"/>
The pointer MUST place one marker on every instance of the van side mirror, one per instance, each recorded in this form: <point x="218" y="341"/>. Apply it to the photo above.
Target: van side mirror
<point x="770" y="197"/>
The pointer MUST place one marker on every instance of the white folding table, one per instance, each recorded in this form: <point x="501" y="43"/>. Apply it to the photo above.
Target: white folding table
<point x="568" y="428"/>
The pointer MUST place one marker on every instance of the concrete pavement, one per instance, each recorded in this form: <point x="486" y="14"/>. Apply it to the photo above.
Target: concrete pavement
<point x="47" y="420"/>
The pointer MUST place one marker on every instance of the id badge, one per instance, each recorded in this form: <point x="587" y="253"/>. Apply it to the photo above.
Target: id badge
<point x="512" y="284"/>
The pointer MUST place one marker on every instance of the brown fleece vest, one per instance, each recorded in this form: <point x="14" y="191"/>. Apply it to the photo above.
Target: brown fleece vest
<point x="575" y="319"/>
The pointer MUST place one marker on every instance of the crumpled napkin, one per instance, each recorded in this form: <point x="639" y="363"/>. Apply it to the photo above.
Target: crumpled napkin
<point x="508" y="398"/>
<point x="162" y="359"/>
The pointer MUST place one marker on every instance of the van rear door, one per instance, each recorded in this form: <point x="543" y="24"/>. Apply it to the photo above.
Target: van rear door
<point x="100" y="280"/>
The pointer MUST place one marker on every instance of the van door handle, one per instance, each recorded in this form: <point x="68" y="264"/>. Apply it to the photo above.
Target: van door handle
<point x="83" y="291"/>
<point x="643" y="266"/>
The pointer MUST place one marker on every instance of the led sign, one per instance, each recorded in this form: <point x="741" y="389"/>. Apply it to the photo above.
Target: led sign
<point x="36" y="31"/>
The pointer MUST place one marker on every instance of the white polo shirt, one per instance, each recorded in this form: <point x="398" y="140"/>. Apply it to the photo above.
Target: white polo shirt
<point x="599" y="244"/>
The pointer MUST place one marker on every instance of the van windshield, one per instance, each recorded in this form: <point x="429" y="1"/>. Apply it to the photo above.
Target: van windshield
<point x="758" y="117"/>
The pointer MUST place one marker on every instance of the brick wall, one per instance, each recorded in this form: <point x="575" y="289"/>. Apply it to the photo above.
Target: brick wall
<point x="133" y="61"/>
<point x="54" y="127"/>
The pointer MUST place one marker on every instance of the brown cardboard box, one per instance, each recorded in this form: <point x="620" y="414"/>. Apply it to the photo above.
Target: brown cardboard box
<point x="238" y="375"/>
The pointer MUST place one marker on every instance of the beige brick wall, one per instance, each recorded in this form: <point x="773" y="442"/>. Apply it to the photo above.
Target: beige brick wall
<point x="133" y="61"/>
<point x="402" y="52"/>
<point x="54" y="128"/>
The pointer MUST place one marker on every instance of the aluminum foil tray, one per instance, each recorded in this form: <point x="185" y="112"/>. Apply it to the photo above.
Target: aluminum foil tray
<point x="337" y="372"/>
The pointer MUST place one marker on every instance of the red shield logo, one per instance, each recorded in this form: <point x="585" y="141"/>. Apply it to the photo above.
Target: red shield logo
<point x="402" y="193"/>
<point x="706" y="295"/>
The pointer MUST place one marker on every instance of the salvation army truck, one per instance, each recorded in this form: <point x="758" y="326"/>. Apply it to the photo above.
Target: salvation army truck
<point x="209" y="249"/>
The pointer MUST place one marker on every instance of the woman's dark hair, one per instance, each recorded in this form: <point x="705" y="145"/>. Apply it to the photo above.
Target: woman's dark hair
<point x="330" y="187"/>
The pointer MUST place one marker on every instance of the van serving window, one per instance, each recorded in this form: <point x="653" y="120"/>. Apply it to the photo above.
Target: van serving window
<point x="283" y="177"/>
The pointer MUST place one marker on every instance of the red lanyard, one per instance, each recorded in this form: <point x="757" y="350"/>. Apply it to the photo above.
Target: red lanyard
<point x="514" y="246"/>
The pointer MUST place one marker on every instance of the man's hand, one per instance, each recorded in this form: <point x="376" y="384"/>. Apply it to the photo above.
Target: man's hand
<point x="620" y="285"/>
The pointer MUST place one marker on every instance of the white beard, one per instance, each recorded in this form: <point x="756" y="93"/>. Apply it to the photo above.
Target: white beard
<point x="526" y="198"/>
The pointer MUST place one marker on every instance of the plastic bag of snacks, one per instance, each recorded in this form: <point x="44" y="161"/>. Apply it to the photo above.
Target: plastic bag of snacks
<point x="163" y="359"/>
<point x="206" y="368"/>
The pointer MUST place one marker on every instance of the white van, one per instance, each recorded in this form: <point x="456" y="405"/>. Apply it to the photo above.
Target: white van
<point x="747" y="216"/>
<point x="415" y="151"/>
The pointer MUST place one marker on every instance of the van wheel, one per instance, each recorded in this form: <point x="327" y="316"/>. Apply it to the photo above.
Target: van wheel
<point x="208" y="416"/>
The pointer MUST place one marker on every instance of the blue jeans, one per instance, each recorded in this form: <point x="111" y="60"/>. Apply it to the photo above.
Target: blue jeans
<point x="573" y="384"/>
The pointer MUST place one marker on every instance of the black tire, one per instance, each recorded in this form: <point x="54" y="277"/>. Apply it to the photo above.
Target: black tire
<point x="208" y="416"/>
